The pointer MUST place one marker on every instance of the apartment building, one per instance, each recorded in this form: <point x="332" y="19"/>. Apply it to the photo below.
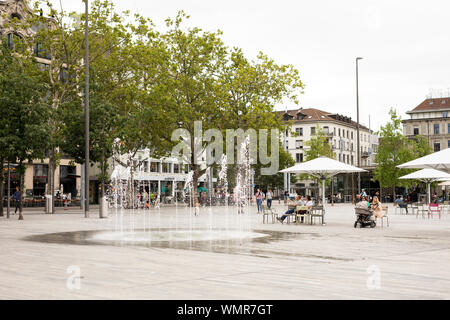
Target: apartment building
<point x="430" y="119"/>
<point x="341" y="134"/>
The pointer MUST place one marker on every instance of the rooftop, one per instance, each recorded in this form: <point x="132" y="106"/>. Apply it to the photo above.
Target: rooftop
<point x="435" y="104"/>
<point x="314" y="115"/>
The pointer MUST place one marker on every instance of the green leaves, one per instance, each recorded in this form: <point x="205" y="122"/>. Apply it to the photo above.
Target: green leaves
<point x="395" y="149"/>
<point x="318" y="146"/>
<point x="23" y="110"/>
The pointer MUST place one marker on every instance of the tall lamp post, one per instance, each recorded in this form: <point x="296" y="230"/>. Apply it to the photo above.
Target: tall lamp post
<point x="86" y="110"/>
<point x="286" y="118"/>
<point x="358" y="151"/>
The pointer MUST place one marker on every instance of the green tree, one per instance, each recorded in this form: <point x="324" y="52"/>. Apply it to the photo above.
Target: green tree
<point x="25" y="129"/>
<point x="221" y="88"/>
<point x="394" y="150"/>
<point x="318" y="146"/>
<point x="276" y="181"/>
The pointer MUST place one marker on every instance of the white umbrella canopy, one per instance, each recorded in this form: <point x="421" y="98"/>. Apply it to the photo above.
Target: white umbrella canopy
<point x="439" y="160"/>
<point x="428" y="176"/>
<point x="322" y="168"/>
<point x="444" y="184"/>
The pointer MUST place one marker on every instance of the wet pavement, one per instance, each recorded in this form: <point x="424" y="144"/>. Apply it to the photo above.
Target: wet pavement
<point x="410" y="259"/>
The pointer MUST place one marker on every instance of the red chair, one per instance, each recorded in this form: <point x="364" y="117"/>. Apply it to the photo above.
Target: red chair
<point x="433" y="208"/>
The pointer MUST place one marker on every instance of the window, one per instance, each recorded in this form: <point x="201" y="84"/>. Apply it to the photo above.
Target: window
<point x="299" y="131"/>
<point x="40" y="170"/>
<point x="299" y="157"/>
<point x="348" y="134"/>
<point x="326" y="130"/>
<point x="40" y="52"/>
<point x="445" y="114"/>
<point x="352" y="160"/>
<point x="165" y="167"/>
<point x="176" y="168"/>
<point x="352" y="135"/>
<point x="154" y="167"/>
<point x="448" y="128"/>
<point x="437" y="147"/>
<point x="416" y="131"/>
<point x="448" y="144"/>
<point x="339" y="132"/>
<point x="313" y="131"/>
<point x="298" y="144"/>
<point x="436" y="128"/>
<point x="145" y="166"/>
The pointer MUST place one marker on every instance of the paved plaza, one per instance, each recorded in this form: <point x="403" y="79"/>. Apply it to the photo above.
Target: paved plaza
<point x="410" y="259"/>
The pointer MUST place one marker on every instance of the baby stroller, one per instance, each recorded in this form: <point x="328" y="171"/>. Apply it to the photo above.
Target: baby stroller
<point x="364" y="217"/>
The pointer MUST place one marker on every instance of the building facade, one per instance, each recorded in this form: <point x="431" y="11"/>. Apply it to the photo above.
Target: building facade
<point x="430" y="119"/>
<point x="341" y="134"/>
<point x="36" y="175"/>
<point x="164" y="176"/>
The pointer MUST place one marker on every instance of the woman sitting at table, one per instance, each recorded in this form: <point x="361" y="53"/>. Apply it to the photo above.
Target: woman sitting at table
<point x="306" y="203"/>
<point x="377" y="208"/>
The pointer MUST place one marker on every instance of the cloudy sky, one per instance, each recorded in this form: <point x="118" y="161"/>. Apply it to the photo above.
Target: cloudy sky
<point x="405" y="45"/>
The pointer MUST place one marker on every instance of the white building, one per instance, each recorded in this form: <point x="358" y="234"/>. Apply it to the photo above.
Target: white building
<point x="342" y="136"/>
<point x="165" y="176"/>
<point x="341" y="132"/>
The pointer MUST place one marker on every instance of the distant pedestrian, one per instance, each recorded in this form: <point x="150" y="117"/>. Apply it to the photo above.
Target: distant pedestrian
<point x="17" y="197"/>
<point x="269" y="198"/>
<point x="259" y="198"/>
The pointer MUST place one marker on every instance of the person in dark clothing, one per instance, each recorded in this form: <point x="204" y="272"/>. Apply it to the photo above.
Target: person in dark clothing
<point x="16" y="197"/>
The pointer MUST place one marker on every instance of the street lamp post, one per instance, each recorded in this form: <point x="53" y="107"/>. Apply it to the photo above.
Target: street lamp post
<point x="9" y="192"/>
<point x="358" y="151"/>
<point x="86" y="111"/>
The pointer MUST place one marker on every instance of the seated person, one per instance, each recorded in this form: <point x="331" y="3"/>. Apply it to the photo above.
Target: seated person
<point x="401" y="203"/>
<point x="299" y="202"/>
<point x="377" y="208"/>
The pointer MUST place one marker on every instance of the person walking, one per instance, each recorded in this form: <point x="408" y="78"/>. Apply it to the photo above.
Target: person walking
<point x="16" y="197"/>
<point x="269" y="198"/>
<point x="259" y="198"/>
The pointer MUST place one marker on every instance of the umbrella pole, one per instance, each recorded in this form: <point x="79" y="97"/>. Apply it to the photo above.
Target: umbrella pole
<point x="429" y="192"/>
<point x="323" y="200"/>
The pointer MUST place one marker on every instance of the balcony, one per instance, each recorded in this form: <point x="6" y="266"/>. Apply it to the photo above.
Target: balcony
<point x="365" y="154"/>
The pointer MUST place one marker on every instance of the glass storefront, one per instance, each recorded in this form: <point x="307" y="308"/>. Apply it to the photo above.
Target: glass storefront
<point x="40" y="178"/>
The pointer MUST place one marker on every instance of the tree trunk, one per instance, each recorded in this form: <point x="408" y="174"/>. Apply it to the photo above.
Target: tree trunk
<point x="51" y="181"/>
<point x="195" y="185"/>
<point x="2" y="189"/>
<point x="21" y="188"/>
<point x="102" y="186"/>
<point x="131" y="195"/>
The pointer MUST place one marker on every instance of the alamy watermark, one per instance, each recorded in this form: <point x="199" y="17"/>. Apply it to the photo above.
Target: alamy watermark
<point x="74" y="280"/>
<point x="209" y="145"/>
<point x="374" y="279"/>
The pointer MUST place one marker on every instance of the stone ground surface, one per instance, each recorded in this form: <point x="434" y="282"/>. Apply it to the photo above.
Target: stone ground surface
<point x="334" y="261"/>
